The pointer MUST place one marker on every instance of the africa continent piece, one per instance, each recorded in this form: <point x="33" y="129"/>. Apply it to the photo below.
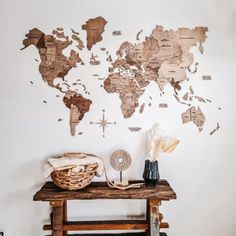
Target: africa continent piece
<point x="94" y="28"/>
<point x="128" y="89"/>
<point x="78" y="106"/>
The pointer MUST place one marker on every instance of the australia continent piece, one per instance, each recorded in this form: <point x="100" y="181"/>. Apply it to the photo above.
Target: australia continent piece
<point x="94" y="28"/>
<point x="195" y="115"/>
<point x="78" y="106"/>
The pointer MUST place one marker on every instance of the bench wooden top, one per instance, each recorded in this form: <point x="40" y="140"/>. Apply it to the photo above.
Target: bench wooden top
<point x="100" y="190"/>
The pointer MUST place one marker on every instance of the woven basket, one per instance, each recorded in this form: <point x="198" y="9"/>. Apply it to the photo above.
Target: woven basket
<point x="69" y="180"/>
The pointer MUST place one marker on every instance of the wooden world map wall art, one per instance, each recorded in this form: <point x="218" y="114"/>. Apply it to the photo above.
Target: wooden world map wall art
<point x="163" y="57"/>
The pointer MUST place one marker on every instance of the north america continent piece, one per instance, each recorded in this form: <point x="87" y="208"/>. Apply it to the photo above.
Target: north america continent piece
<point x="94" y="28"/>
<point x="54" y="64"/>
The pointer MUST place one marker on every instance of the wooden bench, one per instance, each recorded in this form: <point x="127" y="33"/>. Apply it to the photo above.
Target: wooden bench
<point x="58" y="198"/>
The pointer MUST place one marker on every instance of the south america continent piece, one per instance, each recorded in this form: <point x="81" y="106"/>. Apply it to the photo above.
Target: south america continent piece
<point x="78" y="106"/>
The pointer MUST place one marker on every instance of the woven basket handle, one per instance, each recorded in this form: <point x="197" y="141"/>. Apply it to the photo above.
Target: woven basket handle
<point x="76" y="154"/>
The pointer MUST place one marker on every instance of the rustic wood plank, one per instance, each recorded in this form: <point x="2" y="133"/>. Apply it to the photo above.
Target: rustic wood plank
<point x="103" y="225"/>
<point x="164" y="225"/>
<point x="100" y="190"/>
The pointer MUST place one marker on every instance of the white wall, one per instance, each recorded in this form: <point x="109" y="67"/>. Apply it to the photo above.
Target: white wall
<point x="201" y="170"/>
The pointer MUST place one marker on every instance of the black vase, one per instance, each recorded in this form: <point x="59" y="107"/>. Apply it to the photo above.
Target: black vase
<point x="151" y="173"/>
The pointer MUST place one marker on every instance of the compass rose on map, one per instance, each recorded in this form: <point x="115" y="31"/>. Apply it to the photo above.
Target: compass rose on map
<point x="103" y="123"/>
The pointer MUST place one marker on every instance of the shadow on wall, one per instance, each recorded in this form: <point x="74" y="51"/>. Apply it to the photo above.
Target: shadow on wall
<point x="23" y="183"/>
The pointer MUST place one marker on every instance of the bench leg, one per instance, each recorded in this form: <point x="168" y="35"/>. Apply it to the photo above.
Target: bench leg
<point x="153" y="217"/>
<point x="65" y="216"/>
<point x="57" y="218"/>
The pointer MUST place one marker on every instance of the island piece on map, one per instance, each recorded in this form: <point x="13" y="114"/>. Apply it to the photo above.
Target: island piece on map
<point x="163" y="57"/>
<point x="59" y="34"/>
<point x="163" y="105"/>
<point x="94" y="28"/>
<point x="206" y="77"/>
<point x="116" y="33"/>
<point x="54" y="64"/>
<point x="138" y="34"/>
<point x="135" y="129"/>
<point x="189" y="96"/>
<point x="214" y="130"/>
<point x="186" y="96"/>
<point x="200" y="99"/>
<point x="78" y="106"/>
<point x="141" y="108"/>
<point x="195" y="115"/>
<point x="80" y="44"/>
<point x="93" y="60"/>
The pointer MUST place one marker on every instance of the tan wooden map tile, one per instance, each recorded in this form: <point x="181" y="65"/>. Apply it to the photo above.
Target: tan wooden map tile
<point x="206" y="77"/>
<point x="138" y="34"/>
<point x="163" y="105"/>
<point x="80" y="44"/>
<point x="93" y="60"/>
<point x="194" y="115"/>
<point x="116" y="33"/>
<point x="78" y="106"/>
<point x="141" y="109"/>
<point x="135" y="129"/>
<point x="214" y="130"/>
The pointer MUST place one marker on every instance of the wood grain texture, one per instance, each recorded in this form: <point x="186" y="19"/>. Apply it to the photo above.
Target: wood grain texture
<point x="94" y="28"/>
<point x="65" y="216"/>
<point x="103" y="225"/>
<point x="116" y="234"/>
<point x="100" y="190"/>
<point x="154" y="221"/>
<point x="57" y="221"/>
